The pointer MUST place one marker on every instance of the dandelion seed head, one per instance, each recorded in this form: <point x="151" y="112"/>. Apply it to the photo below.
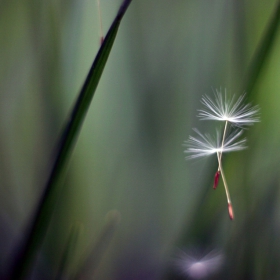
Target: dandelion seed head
<point x="205" y="144"/>
<point x="198" y="266"/>
<point x="231" y="109"/>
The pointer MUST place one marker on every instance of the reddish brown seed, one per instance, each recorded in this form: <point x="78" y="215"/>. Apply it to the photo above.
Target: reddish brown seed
<point x="216" y="179"/>
<point x="230" y="211"/>
<point x="101" y="40"/>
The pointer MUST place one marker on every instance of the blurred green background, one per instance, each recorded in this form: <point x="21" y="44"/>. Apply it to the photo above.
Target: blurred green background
<point x="129" y="156"/>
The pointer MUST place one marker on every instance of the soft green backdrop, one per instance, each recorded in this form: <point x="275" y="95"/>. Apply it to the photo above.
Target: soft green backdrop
<point x="129" y="156"/>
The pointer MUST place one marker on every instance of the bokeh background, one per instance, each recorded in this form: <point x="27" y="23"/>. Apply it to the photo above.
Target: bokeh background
<point x="128" y="167"/>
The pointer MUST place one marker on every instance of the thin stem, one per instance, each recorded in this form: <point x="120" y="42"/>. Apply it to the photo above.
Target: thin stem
<point x="224" y="179"/>
<point x="222" y="146"/>
<point x="100" y="22"/>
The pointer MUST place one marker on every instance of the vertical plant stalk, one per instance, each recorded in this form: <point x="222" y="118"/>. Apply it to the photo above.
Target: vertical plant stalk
<point x="100" y="22"/>
<point x="39" y="225"/>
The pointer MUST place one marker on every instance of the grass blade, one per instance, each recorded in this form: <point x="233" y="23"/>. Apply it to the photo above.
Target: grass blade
<point x="53" y="188"/>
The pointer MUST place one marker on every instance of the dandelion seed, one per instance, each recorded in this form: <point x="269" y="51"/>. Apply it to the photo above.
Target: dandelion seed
<point x="224" y="108"/>
<point x="205" y="145"/>
<point x="228" y="110"/>
<point x="199" y="267"/>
